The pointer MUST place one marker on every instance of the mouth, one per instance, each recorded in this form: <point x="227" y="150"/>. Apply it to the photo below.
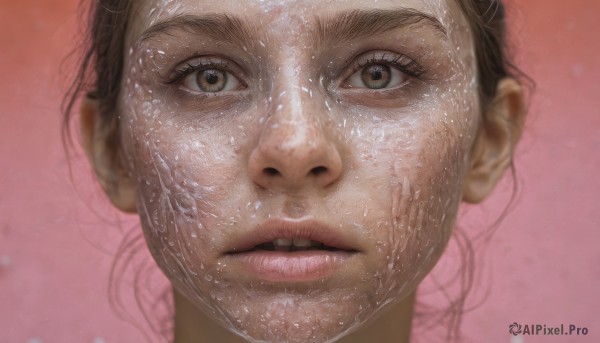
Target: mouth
<point x="284" y="251"/>
<point x="291" y="245"/>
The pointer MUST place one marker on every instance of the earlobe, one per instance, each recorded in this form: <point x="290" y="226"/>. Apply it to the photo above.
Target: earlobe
<point x="98" y="139"/>
<point x="494" y="147"/>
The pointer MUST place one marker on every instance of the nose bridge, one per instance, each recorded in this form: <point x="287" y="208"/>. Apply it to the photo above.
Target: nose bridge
<point x="294" y="122"/>
<point x="294" y="147"/>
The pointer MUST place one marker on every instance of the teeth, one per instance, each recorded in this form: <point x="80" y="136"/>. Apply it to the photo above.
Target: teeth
<point x="302" y="242"/>
<point x="282" y="242"/>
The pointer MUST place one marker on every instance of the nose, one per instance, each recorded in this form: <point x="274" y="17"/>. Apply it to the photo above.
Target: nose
<point x="295" y="149"/>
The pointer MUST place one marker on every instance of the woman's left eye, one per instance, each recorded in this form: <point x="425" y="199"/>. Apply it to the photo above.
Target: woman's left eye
<point x="210" y="80"/>
<point x="376" y="76"/>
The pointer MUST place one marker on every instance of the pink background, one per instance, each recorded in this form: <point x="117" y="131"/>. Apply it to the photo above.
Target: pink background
<point x="57" y="241"/>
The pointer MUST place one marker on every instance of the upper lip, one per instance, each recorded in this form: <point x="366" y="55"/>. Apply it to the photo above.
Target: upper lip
<point x="279" y="228"/>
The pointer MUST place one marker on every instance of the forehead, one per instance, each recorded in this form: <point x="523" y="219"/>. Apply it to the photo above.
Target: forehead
<point x="281" y="15"/>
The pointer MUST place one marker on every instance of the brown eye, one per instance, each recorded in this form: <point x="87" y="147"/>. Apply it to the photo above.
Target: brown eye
<point x="376" y="76"/>
<point x="212" y="80"/>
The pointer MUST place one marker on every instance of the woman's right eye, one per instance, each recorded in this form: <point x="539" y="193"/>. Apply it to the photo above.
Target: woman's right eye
<point x="210" y="80"/>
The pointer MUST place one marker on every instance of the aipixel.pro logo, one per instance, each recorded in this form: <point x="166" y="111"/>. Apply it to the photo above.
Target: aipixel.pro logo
<point x="545" y="330"/>
<point x="515" y="328"/>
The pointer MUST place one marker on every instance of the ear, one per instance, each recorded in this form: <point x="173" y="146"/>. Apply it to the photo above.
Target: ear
<point x="99" y="140"/>
<point x="494" y="147"/>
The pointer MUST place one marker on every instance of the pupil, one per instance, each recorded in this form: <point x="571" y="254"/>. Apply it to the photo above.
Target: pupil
<point x="376" y="76"/>
<point x="212" y="80"/>
<point x="211" y="77"/>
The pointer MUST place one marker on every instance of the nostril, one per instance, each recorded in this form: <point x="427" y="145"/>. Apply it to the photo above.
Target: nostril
<point x="316" y="171"/>
<point x="271" y="171"/>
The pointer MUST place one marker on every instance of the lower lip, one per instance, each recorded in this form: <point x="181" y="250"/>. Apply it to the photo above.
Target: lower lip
<point x="277" y="266"/>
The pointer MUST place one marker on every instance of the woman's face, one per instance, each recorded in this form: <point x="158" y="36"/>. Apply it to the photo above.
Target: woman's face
<point x="252" y="126"/>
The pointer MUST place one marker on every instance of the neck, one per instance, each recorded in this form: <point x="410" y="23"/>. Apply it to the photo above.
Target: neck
<point x="193" y="326"/>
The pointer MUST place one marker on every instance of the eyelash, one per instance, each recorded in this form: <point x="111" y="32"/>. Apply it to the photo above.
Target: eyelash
<point x="190" y="67"/>
<point x="401" y="62"/>
<point x="410" y="68"/>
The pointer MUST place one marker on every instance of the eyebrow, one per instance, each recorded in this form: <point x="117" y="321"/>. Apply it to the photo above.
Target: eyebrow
<point x="357" y="24"/>
<point x="219" y="27"/>
<point x="340" y="28"/>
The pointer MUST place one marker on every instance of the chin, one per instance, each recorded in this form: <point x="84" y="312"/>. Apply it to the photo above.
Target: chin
<point x="296" y="318"/>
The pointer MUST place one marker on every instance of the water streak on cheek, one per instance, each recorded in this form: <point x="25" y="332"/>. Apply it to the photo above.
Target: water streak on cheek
<point x="176" y="209"/>
<point x="407" y="212"/>
<point x="423" y="199"/>
<point x="176" y="213"/>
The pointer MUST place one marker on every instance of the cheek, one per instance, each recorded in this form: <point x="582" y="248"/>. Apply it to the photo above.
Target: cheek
<point x="184" y="175"/>
<point x="415" y="177"/>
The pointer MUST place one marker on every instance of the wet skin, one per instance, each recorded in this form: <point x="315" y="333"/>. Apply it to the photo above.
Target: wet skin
<point x="355" y="117"/>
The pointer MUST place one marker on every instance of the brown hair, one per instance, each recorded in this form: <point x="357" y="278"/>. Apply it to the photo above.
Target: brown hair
<point x="101" y="70"/>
